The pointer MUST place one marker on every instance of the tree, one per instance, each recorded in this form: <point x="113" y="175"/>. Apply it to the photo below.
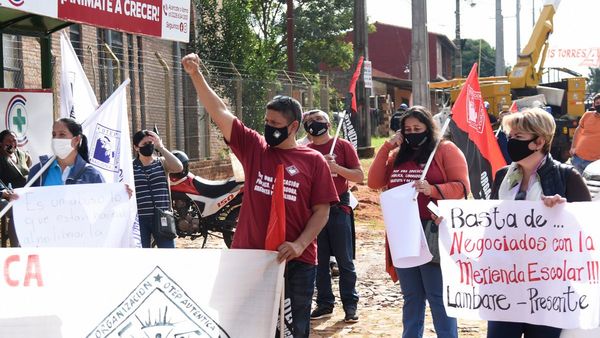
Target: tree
<point x="320" y="30"/>
<point x="594" y="80"/>
<point x="470" y="55"/>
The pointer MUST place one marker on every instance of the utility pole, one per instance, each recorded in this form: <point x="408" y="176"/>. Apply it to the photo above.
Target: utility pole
<point x="291" y="57"/>
<point x="362" y="120"/>
<point x="518" y="27"/>
<point x="419" y="54"/>
<point x="458" y="58"/>
<point x="500" y="71"/>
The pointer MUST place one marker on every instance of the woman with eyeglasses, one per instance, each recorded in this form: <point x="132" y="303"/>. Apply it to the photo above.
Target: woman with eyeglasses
<point x="533" y="175"/>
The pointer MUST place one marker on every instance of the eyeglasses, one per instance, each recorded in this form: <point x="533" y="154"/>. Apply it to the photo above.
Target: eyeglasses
<point x="521" y="195"/>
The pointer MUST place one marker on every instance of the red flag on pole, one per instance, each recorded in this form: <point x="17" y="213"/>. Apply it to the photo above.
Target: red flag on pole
<point x="276" y="228"/>
<point x="473" y="134"/>
<point x="352" y="89"/>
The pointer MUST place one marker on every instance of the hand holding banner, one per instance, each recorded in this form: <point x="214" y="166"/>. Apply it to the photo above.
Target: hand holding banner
<point x="520" y="261"/>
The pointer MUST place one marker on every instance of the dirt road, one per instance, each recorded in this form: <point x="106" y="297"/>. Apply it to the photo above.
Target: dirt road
<point x="380" y="306"/>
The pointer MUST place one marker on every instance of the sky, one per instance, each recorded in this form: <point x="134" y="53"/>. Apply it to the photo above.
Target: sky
<point x="575" y="23"/>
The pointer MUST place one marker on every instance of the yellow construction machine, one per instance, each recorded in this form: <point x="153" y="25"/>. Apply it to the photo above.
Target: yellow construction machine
<point x="564" y="99"/>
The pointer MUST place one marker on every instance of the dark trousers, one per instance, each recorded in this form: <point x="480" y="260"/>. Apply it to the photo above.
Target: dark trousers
<point x="299" y="288"/>
<point x="515" y="330"/>
<point x="336" y="240"/>
<point x="147" y="232"/>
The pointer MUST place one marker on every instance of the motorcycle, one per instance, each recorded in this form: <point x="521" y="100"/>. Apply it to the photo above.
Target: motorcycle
<point x="203" y="207"/>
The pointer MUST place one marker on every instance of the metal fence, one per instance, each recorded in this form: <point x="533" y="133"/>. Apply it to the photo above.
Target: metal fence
<point x="160" y="93"/>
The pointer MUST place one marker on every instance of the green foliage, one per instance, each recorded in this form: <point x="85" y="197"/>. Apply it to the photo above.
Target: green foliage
<point x="594" y="82"/>
<point x="320" y="28"/>
<point x="252" y="35"/>
<point x="470" y="55"/>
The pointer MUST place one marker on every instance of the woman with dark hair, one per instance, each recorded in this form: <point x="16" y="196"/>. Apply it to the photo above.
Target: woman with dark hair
<point x="14" y="168"/>
<point x="71" y="165"/>
<point x="151" y="185"/>
<point x="401" y="160"/>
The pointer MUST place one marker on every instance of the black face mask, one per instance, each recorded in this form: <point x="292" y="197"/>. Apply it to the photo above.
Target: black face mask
<point x="274" y="136"/>
<point x="316" y="128"/>
<point x="597" y="109"/>
<point x="147" y="149"/>
<point x="519" y="149"/>
<point x="416" y="140"/>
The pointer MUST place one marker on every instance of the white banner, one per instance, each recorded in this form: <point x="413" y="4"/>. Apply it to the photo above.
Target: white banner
<point x="109" y="142"/>
<point x="573" y="57"/>
<point x="520" y="261"/>
<point x="29" y="114"/>
<point x="77" y="98"/>
<point x="52" y="293"/>
<point x="74" y="215"/>
<point x="166" y="19"/>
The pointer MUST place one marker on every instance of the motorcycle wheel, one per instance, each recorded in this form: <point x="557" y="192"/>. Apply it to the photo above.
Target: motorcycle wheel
<point x="233" y="215"/>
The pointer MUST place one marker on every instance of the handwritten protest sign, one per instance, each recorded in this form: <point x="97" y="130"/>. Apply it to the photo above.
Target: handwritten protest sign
<point x="520" y="261"/>
<point x="80" y="215"/>
<point x="115" y="293"/>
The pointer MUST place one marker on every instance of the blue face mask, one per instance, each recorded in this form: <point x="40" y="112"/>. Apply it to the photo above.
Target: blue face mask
<point x="274" y="136"/>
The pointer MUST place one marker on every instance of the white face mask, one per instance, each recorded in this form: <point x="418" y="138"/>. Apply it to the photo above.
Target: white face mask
<point x="62" y="147"/>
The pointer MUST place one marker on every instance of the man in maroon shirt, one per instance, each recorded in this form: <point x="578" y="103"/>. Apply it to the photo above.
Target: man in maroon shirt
<point x="336" y="238"/>
<point x="308" y="188"/>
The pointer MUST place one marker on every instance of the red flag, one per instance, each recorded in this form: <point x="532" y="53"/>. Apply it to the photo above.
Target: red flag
<point x="276" y="228"/>
<point x="352" y="89"/>
<point x="473" y="134"/>
<point x="513" y="107"/>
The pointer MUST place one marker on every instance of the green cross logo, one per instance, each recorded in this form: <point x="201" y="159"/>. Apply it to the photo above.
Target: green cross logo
<point x="19" y="120"/>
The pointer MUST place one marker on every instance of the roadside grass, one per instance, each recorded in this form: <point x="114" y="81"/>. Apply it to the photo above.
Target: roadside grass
<point x="376" y="142"/>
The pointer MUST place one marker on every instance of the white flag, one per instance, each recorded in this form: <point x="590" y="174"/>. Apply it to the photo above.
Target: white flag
<point x="77" y="97"/>
<point x="109" y="144"/>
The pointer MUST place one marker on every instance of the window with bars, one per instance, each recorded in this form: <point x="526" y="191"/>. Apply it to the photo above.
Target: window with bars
<point x="12" y="61"/>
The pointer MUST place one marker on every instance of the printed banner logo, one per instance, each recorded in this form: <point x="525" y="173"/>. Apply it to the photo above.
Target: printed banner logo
<point x="17" y="3"/>
<point x="16" y="118"/>
<point x="106" y="148"/>
<point x="475" y="110"/>
<point x="158" y="307"/>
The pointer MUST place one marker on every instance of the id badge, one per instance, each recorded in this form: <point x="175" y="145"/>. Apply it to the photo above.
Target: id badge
<point x="163" y="222"/>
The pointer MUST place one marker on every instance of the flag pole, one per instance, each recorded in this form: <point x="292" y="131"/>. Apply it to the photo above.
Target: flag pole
<point x="430" y="159"/>
<point x="282" y="312"/>
<point x="35" y="177"/>
<point x="337" y="132"/>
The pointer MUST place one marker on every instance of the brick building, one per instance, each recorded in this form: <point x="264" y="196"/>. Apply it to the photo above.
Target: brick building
<point x="153" y="92"/>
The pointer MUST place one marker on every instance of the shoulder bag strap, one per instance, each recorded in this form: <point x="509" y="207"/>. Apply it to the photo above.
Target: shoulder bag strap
<point x="162" y="163"/>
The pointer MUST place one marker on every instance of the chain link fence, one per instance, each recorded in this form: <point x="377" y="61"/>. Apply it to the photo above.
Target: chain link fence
<point x="160" y="93"/>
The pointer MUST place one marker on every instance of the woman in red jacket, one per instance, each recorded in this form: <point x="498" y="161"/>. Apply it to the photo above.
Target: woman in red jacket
<point x="399" y="161"/>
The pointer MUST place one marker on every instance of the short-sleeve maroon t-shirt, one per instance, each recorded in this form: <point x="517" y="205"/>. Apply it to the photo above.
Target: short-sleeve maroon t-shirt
<point x="345" y="155"/>
<point x="307" y="182"/>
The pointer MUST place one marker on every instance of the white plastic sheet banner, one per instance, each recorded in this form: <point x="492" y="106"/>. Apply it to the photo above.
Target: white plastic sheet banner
<point x="77" y="97"/>
<point x="66" y="293"/>
<point x="109" y="142"/>
<point x="406" y="238"/>
<point x="520" y="261"/>
<point x="74" y="215"/>
<point x="28" y="113"/>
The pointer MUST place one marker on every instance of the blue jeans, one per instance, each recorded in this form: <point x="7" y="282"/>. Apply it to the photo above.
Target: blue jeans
<point x="299" y="287"/>
<point x="515" y="330"/>
<point x="579" y="163"/>
<point x="336" y="239"/>
<point x="147" y="231"/>
<point x="418" y="284"/>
